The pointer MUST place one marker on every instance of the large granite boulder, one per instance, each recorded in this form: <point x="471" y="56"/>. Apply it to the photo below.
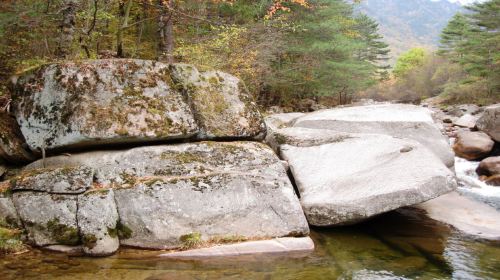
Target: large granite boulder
<point x="12" y="143"/>
<point x="490" y="122"/>
<point x="346" y="178"/>
<point x="221" y="103"/>
<point x="398" y="120"/>
<point x="473" y="145"/>
<point x="167" y="197"/>
<point x="99" y="102"/>
<point x="48" y="218"/>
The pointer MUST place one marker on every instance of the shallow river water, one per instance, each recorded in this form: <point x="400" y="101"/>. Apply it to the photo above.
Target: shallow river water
<point x="397" y="245"/>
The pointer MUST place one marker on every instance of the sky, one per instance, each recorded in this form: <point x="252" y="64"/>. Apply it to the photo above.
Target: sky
<point x="463" y="2"/>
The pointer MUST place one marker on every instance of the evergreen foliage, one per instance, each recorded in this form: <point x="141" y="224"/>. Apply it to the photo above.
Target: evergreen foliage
<point x="285" y="50"/>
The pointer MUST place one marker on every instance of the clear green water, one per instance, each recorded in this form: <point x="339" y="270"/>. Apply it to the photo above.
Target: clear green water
<point x="398" y="245"/>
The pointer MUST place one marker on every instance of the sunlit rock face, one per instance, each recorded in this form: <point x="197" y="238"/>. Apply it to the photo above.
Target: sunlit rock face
<point x="398" y="120"/>
<point x="98" y="102"/>
<point x="159" y="197"/>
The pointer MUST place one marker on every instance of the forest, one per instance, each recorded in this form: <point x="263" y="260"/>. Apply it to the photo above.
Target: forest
<point x="295" y="54"/>
<point x="465" y="68"/>
<point x="289" y="53"/>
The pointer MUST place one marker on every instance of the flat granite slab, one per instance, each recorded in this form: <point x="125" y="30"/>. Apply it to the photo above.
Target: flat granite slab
<point x="273" y="246"/>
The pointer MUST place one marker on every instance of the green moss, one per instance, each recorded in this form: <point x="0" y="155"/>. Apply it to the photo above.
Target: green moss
<point x="191" y="240"/>
<point x="113" y="232"/>
<point x="228" y="239"/>
<point x="123" y="231"/>
<point x="89" y="240"/>
<point x="10" y="241"/>
<point x="63" y="234"/>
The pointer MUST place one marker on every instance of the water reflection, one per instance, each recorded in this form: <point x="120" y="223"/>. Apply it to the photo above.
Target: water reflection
<point x="399" y="245"/>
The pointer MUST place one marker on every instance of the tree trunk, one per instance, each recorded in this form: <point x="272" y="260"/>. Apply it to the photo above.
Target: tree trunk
<point x="124" y="9"/>
<point x="67" y="29"/>
<point x="166" y="31"/>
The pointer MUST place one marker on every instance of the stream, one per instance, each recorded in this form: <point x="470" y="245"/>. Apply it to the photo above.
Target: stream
<point x="403" y="244"/>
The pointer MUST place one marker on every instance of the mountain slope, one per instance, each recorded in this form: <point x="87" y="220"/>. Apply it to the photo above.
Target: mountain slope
<point x="410" y="23"/>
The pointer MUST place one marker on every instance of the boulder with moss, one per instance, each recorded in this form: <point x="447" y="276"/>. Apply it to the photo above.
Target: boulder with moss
<point x="221" y="103"/>
<point x="48" y="218"/>
<point x="12" y="143"/>
<point x="178" y="196"/>
<point x="95" y="102"/>
<point x="97" y="218"/>
<point x="102" y="102"/>
<point x="345" y="178"/>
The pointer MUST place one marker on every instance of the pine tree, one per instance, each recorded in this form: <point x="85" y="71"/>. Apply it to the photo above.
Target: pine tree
<point x="453" y="37"/>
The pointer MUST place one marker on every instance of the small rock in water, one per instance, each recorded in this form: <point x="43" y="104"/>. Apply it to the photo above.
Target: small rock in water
<point x="493" y="180"/>
<point x="473" y="145"/>
<point x="489" y="166"/>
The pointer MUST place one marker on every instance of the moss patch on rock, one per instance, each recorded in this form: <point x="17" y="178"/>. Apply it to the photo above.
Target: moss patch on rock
<point x="121" y="231"/>
<point x="191" y="240"/>
<point x="10" y="241"/>
<point x="63" y="234"/>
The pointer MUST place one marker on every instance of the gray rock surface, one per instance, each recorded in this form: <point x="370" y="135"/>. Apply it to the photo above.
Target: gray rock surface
<point x="97" y="221"/>
<point x="103" y="102"/>
<point x="48" y="218"/>
<point x="398" y="120"/>
<point x="273" y="246"/>
<point x="214" y="189"/>
<point x="354" y="178"/>
<point x="473" y="145"/>
<point x="221" y="103"/>
<point x="8" y="213"/>
<point x="12" y="141"/>
<point x="96" y="102"/>
<point x="304" y="137"/>
<point x="467" y="120"/>
<point x="63" y="180"/>
<point x="490" y="122"/>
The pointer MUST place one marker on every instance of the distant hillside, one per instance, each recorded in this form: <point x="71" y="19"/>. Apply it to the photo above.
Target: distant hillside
<point x="410" y="23"/>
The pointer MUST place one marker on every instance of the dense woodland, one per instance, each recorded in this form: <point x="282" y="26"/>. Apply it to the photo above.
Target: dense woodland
<point x="290" y="53"/>
<point x="465" y="69"/>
